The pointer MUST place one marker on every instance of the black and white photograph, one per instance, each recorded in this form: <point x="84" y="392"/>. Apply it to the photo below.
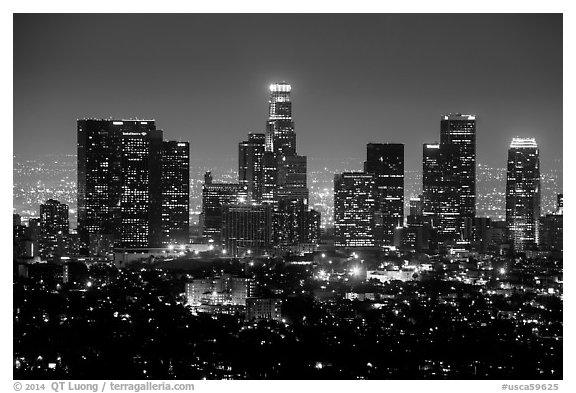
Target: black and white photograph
<point x="293" y="196"/>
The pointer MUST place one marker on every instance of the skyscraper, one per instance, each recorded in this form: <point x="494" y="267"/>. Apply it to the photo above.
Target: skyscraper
<point x="175" y="192"/>
<point x="552" y="228"/>
<point x="292" y="172"/>
<point x="440" y="190"/>
<point x="141" y="197"/>
<point x="449" y="177"/>
<point x="291" y="206"/>
<point x="214" y="197"/>
<point x="120" y="188"/>
<point x="99" y="178"/>
<point x="354" y="206"/>
<point x="523" y="193"/>
<point x="290" y="218"/>
<point x="280" y="135"/>
<point x="246" y="226"/>
<point x="54" y="227"/>
<point x="460" y="131"/>
<point x="284" y="174"/>
<point x="270" y="178"/>
<point x="251" y="165"/>
<point x="431" y="180"/>
<point x="386" y="162"/>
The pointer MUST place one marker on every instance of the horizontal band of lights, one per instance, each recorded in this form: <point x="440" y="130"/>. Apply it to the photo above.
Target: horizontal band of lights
<point x="523" y="143"/>
<point x="458" y="117"/>
<point x="280" y="87"/>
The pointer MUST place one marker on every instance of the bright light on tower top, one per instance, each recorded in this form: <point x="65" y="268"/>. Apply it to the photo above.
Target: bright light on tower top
<point x="523" y="143"/>
<point x="280" y="87"/>
<point x="458" y="116"/>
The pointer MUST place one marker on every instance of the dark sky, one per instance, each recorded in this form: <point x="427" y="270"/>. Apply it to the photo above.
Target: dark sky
<point x="355" y="78"/>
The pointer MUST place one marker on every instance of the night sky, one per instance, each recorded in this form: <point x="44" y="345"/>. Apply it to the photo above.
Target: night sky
<point x="355" y="79"/>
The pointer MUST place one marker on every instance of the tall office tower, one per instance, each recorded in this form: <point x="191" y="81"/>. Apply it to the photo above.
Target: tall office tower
<point x="290" y="218"/>
<point x="291" y="207"/>
<point x="523" y="193"/>
<point x="431" y="180"/>
<point x="354" y="206"/>
<point x="460" y="131"/>
<point x="450" y="210"/>
<point x="292" y="172"/>
<point x="552" y="228"/>
<point x="441" y="190"/>
<point x="119" y="181"/>
<point x="54" y="226"/>
<point x="99" y="178"/>
<point x="270" y="178"/>
<point x="284" y="173"/>
<point x="214" y="197"/>
<point x="141" y="198"/>
<point x="386" y="162"/>
<point x="280" y="135"/>
<point x="175" y="192"/>
<point x="248" y="227"/>
<point x="251" y="165"/>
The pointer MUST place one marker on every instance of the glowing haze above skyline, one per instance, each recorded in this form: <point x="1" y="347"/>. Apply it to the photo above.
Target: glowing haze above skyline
<point x="355" y="79"/>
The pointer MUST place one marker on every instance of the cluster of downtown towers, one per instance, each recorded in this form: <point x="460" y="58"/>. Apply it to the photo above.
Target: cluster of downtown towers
<point x="133" y="190"/>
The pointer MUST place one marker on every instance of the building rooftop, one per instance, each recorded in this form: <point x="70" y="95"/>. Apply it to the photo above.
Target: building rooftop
<point x="519" y="143"/>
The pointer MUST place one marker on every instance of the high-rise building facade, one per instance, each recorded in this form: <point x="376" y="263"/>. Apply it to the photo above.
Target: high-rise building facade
<point x="291" y="202"/>
<point x="120" y="187"/>
<point x="175" y="192"/>
<point x="449" y="177"/>
<point x="459" y="131"/>
<point x="552" y="228"/>
<point x="247" y="226"/>
<point x="431" y="179"/>
<point x="285" y="172"/>
<point x="523" y="194"/>
<point x="251" y="165"/>
<point x="214" y="197"/>
<point x="280" y="135"/>
<point x="141" y="197"/>
<point x="54" y="226"/>
<point x="270" y="178"/>
<point x="386" y="162"/>
<point x="99" y="177"/>
<point x="354" y="206"/>
<point x="292" y="172"/>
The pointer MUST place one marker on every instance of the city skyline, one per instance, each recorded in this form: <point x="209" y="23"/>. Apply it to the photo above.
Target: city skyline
<point x="288" y="197"/>
<point x="372" y="81"/>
